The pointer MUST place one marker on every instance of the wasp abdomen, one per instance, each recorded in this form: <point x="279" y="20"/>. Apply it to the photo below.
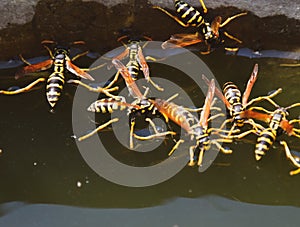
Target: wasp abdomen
<point x="231" y="92"/>
<point x="106" y="105"/>
<point x="189" y="14"/>
<point x="133" y="69"/>
<point x="264" y="142"/>
<point x="54" y="87"/>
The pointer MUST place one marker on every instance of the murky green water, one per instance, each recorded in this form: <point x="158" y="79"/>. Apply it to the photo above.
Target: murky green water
<point x="40" y="164"/>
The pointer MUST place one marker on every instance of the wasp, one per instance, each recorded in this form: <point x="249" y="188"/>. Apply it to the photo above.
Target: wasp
<point x="277" y="123"/>
<point x="197" y="129"/>
<point x="236" y="103"/>
<point x="60" y="61"/>
<point x="140" y="105"/>
<point x="207" y="32"/>
<point x="136" y="61"/>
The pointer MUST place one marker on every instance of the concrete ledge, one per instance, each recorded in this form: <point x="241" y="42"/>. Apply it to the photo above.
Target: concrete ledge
<point x="22" y="11"/>
<point x="261" y="8"/>
<point x="24" y="24"/>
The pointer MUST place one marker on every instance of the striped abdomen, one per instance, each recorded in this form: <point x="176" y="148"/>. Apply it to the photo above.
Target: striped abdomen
<point x="133" y="68"/>
<point x="264" y="142"/>
<point x="177" y="114"/>
<point x="55" y="82"/>
<point x="107" y="105"/>
<point x="233" y="96"/>
<point x="188" y="14"/>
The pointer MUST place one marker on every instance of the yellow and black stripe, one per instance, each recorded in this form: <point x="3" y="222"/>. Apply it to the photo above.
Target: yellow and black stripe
<point x="233" y="95"/>
<point x="106" y="105"/>
<point x="133" y="65"/>
<point x="188" y="14"/>
<point x="264" y="142"/>
<point x="56" y="80"/>
<point x="268" y="135"/>
<point x="187" y="121"/>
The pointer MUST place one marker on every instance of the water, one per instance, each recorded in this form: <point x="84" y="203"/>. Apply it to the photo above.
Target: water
<point x="41" y="165"/>
<point x="46" y="182"/>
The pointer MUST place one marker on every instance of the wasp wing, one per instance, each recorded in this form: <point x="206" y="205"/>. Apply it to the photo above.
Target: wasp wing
<point x="181" y="40"/>
<point x="250" y="84"/>
<point x="207" y="104"/>
<point x="44" y="65"/>
<point x="77" y="71"/>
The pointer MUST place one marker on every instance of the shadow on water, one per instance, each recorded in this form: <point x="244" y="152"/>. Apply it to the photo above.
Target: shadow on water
<point x="40" y="163"/>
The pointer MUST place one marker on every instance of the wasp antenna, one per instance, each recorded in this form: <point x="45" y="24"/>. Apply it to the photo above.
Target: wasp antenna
<point x="122" y="37"/>
<point x="48" y="42"/>
<point x="77" y="42"/>
<point x="147" y="38"/>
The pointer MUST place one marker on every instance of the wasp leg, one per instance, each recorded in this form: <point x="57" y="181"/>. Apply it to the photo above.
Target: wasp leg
<point x="149" y="58"/>
<point x="257" y="127"/>
<point x="215" y="116"/>
<point x="114" y="80"/>
<point x="293" y="105"/>
<point x="232" y="18"/>
<point x="172" y="97"/>
<point x="132" y="123"/>
<point x="200" y="158"/>
<point x="203" y="6"/>
<point x="87" y="69"/>
<point x="294" y="172"/>
<point x="226" y="122"/>
<point x="191" y="151"/>
<point x="27" y="88"/>
<point x="219" y="146"/>
<point x="156" y="135"/>
<point x="98" y="89"/>
<point x="267" y="97"/>
<point x="94" y="68"/>
<point x="231" y="129"/>
<point x="144" y="67"/>
<point x="201" y="108"/>
<point x="146" y="43"/>
<point x="208" y="50"/>
<point x="176" y="146"/>
<point x="155" y="85"/>
<point x="291" y="157"/>
<point x="232" y="49"/>
<point x="290" y="65"/>
<point x="170" y="15"/>
<point x="79" y="55"/>
<point x="261" y="109"/>
<point x="295" y="133"/>
<point x="218" y="131"/>
<point x="161" y="134"/>
<point x="233" y="38"/>
<point x="294" y="121"/>
<point x="98" y="129"/>
<point x="239" y="136"/>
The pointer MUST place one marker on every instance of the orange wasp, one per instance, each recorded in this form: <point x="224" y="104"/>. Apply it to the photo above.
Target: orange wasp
<point x="60" y="62"/>
<point x="210" y="33"/>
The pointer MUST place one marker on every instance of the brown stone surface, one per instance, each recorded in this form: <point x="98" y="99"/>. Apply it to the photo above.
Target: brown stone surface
<point x="100" y="25"/>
